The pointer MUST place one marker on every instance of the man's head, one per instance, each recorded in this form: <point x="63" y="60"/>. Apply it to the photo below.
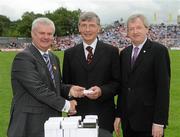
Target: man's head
<point x="42" y="32"/>
<point x="89" y="26"/>
<point x="137" y="28"/>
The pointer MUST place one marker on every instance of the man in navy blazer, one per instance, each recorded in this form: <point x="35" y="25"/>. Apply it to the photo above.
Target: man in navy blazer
<point x="97" y="71"/>
<point x="143" y="102"/>
<point x="38" y="92"/>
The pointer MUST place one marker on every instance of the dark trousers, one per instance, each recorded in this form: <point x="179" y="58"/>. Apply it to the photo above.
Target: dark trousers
<point x="129" y="132"/>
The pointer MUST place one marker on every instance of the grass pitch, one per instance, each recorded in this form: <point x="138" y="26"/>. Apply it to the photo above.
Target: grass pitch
<point x="6" y="59"/>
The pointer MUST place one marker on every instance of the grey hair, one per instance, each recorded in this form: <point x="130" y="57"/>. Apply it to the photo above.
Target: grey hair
<point x="133" y="17"/>
<point x="87" y="16"/>
<point x="42" y="20"/>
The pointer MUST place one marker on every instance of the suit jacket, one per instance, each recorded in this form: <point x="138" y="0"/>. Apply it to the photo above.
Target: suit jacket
<point x="144" y="96"/>
<point x="35" y="98"/>
<point x="102" y="72"/>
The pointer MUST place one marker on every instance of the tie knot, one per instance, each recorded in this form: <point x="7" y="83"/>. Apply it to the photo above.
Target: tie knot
<point x="46" y="56"/>
<point x="89" y="49"/>
<point x="136" y="49"/>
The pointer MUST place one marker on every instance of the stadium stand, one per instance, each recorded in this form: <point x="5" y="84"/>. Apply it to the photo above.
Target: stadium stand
<point x="115" y="34"/>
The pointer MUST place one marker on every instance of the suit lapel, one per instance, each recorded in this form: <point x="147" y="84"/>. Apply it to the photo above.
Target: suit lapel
<point x="81" y="56"/>
<point x="37" y="55"/>
<point x="82" y="59"/>
<point x="129" y="52"/>
<point x="40" y="59"/>
<point x="141" y="55"/>
<point x="97" y="55"/>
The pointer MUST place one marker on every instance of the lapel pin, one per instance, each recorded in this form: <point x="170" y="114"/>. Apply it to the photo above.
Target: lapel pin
<point x="144" y="51"/>
<point x="54" y="67"/>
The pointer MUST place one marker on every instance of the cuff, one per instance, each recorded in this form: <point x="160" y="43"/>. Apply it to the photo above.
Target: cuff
<point x="66" y="107"/>
<point x="158" y="125"/>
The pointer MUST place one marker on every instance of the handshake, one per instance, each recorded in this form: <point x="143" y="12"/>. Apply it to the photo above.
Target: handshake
<point x="79" y="92"/>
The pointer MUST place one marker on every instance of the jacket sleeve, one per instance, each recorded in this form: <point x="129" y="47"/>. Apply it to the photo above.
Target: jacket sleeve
<point x="66" y="69"/>
<point x="28" y="72"/>
<point x="112" y="87"/>
<point x="162" y="81"/>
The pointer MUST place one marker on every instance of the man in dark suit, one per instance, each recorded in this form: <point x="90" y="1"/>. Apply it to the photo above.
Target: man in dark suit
<point x="96" y="70"/>
<point x="36" y="83"/>
<point x="143" y="103"/>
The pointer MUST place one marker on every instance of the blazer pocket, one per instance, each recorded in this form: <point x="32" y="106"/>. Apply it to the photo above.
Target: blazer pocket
<point x="33" y="109"/>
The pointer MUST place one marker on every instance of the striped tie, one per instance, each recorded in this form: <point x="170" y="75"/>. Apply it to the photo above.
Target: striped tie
<point x="49" y="66"/>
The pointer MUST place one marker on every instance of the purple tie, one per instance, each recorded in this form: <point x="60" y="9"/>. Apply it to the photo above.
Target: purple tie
<point x="135" y="54"/>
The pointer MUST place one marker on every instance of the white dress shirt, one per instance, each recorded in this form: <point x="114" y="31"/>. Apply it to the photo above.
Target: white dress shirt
<point x="93" y="45"/>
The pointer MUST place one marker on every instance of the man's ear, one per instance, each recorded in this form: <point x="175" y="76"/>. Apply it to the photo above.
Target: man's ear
<point x="99" y="29"/>
<point x="79" y="29"/>
<point x="147" y="31"/>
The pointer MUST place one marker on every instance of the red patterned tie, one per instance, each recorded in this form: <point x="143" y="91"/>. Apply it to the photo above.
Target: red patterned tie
<point x="90" y="54"/>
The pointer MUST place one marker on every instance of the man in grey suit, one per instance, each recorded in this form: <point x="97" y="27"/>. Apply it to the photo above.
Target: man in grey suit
<point x="143" y="102"/>
<point x="38" y="92"/>
<point x="94" y="65"/>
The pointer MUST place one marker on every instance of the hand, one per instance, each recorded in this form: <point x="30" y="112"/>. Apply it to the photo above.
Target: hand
<point x="77" y="91"/>
<point x="117" y="123"/>
<point x="157" y="131"/>
<point x="72" y="110"/>
<point x="95" y="94"/>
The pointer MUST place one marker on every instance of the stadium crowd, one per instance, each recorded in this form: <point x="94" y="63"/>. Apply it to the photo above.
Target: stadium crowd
<point x="114" y="34"/>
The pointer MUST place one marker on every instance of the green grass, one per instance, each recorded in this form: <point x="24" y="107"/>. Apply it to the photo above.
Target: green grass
<point x="174" y="115"/>
<point x="6" y="93"/>
<point x="5" y="90"/>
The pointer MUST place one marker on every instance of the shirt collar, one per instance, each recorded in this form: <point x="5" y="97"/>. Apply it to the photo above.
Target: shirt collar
<point x="140" y="45"/>
<point x="41" y="52"/>
<point x="93" y="45"/>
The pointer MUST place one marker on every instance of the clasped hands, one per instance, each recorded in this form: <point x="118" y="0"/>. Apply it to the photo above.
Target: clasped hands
<point x="79" y="92"/>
